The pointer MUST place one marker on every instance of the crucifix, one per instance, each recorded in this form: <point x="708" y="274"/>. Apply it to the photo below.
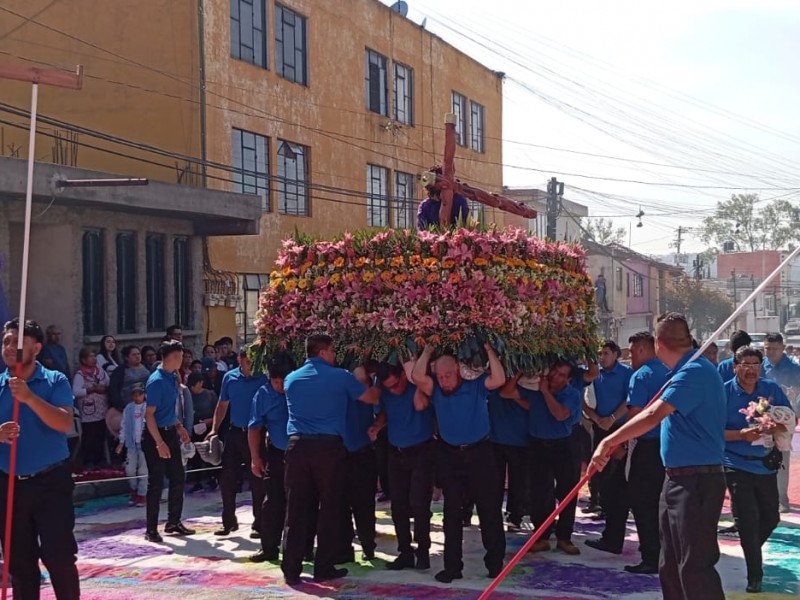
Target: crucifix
<point x="449" y="185"/>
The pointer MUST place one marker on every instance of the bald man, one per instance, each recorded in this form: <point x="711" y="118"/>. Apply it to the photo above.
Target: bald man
<point x="465" y="456"/>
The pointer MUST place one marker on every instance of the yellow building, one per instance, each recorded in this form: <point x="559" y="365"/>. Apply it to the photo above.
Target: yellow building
<point x="326" y="109"/>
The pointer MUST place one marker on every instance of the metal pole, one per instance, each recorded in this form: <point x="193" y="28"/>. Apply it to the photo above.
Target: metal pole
<point x="23" y="293"/>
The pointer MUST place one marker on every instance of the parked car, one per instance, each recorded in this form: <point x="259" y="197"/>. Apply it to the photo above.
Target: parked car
<point x="724" y="349"/>
<point x="757" y="340"/>
<point x="792" y="327"/>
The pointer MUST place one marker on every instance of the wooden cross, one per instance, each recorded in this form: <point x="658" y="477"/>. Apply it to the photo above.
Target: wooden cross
<point x="449" y="185"/>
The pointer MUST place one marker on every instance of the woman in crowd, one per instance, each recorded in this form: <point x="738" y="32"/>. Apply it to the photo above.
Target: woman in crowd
<point x="108" y="357"/>
<point x="90" y="387"/>
<point x="149" y="358"/>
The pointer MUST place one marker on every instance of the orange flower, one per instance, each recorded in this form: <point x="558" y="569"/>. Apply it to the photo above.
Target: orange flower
<point x="360" y="262"/>
<point x="455" y="278"/>
<point x="448" y="263"/>
<point x="290" y="285"/>
<point x="531" y="263"/>
<point x="287" y="271"/>
<point x="430" y="263"/>
<point x="386" y="275"/>
<point x="379" y="261"/>
<point x="302" y="284"/>
<point x="432" y="278"/>
<point x="368" y="276"/>
<point x="418" y="276"/>
<point x="400" y="277"/>
<point x="480" y="262"/>
<point x="397" y="261"/>
<point x="275" y="282"/>
<point x="414" y="260"/>
<point x="335" y="278"/>
<point x="339" y="262"/>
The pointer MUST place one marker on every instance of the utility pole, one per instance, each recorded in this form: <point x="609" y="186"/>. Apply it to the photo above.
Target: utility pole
<point x="678" y="242"/>
<point x="555" y="190"/>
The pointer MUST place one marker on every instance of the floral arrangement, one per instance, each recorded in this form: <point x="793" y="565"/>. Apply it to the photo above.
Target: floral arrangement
<point x="757" y="413"/>
<point x="396" y="290"/>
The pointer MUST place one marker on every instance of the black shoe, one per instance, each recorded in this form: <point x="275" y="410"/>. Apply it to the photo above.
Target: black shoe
<point x="404" y="561"/>
<point x="226" y="530"/>
<point x="153" y="536"/>
<point x="346" y="557"/>
<point x="423" y="561"/>
<point x="332" y="574"/>
<point x="600" y="516"/>
<point x="368" y="554"/>
<point x="262" y="556"/>
<point x="592" y="508"/>
<point x="255" y="535"/>
<point x="753" y="587"/>
<point x="309" y="556"/>
<point x="292" y="579"/>
<point x="179" y="529"/>
<point x="601" y="545"/>
<point x="466" y="520"/>
<point x="446" y="576"/>
<point x="730" y="531"/>
<point x="642" y="569"/>
<point x="494" y="571"/>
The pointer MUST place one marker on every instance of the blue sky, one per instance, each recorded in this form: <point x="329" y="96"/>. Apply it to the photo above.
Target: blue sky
<point x="708" y="90"/>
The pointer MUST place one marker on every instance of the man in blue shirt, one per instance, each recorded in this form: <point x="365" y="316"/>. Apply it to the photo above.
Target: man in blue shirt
<point x="465" y="460"/>
<point x="508" y="420"/>
<point x="553" y="455"/>
<point x="611" y="393"/>
<point x="692" y="415"/>
<point x="161" y="443"/>
<point x="739" y="339"/>
<point x="780" y="368"/>
<point x="407" y="415"/>
<point x="752" y="486"/>
<point x="44" y="515"/>
<point x="239" y="386"/>
<point x="269" y="411"/>
<point x="428" y="211"/>
<point x="317" y="395"/>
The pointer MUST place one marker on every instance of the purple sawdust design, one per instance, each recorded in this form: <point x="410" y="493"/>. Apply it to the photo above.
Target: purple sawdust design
<point x="110" y="548"/>
<point x="577" y="578"/>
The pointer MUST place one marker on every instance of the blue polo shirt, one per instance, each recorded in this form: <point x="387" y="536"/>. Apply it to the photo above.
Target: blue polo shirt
<point x="360" y="417"/>
<point x="725" y="370"/>
<point x="645" y="382"/>
<point x="736" y="451"/>
<point x="239" y="390"/>
<point x="463" y="416"/>
<point x="542" y="424"/>
<point x="611" y="388"/>
<point x="406" y="426"/>
<point x="268" y="409"/>
<point x="38" y="446"/>
<point x="785" y="373"/>
<point x="317" y="395"/>
<point x="508" y="421"/>
<point x="694" y="434"/>
<point x="162" y="392"/>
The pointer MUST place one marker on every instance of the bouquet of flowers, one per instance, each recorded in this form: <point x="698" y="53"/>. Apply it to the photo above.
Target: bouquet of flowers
<point x="766" y="417"/>
<point x="397" y="290"/>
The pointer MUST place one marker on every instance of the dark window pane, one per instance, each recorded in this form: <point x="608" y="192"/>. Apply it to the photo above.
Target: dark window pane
<point x="183" y="281"/>
<point x="248" y="26"/>
<point x="93" y="283"/>
<point x="126" y="283"/>
<point x="154" y="259"/>
<point x="251" y="164"/>
<point x="292" y="178"/>
<point x="404" y="202"/>
<point x="460" y="110"/>
<point x="376" y="83"/>
<point x="377" y="196"/>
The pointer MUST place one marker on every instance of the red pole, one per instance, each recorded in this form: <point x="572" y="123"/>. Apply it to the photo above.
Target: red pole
<point x="12" y="479"/>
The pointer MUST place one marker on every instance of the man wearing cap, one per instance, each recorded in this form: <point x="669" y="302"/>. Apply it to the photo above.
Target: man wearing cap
<point x="161" y="443"/>
<point x="44" y="516"/>
<point x="317" y="395"/>
<point x="239" y="386"/>
<point x="692" y="412"/>
<point x="269" y="411"/>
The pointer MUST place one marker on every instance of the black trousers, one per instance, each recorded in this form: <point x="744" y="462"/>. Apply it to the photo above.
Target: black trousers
<point x="645" y="481"/>
<point x="689" y="513"/>
<point x="596" y="482"/>
<point x="615" y="502"/>
<point x="515" y="460"/>
<point x="157" y="469"/>
<point x="273" y="508"/>
<point x="315" y="474"/>
<point x="754" y="500"/>
<point x="236" y="452"/>
<point x="44" y="518"/>
<point x="359" y="506"/>
<point x="382" y="460"/>
<point x="93" y="436"/>
<point x="550" y="460"/>
<point x="470" y="473"/>
<point x="411" y="476"/>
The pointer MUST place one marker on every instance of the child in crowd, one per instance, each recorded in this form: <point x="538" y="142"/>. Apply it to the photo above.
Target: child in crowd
<point x="131" y="439"/>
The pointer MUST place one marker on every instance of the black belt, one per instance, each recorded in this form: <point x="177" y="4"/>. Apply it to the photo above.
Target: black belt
<point x="322" y="437"/>
<point x="414" y="447"/>
<point x="698" y="470"/>
<point x="167" y="428"/>
<point x="45" y="471"/>
<point x="468" y="446"/>
<point x="237" y="428"/>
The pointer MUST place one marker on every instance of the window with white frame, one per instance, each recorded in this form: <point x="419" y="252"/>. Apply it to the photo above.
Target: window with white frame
<point x="377" y="84"/>
<point x="292" y="179"/>
<point x="404" y="205"/>
<point x="638" y="285"/>
<point x="377" y="196"/>
<point x="460" y="110"/>
<point x="403" y="94"/>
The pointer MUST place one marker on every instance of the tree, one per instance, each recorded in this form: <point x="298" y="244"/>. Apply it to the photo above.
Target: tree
<point x="603" y="232"/>
<point x="705" y="309"/>
<point x="751" y="226"/>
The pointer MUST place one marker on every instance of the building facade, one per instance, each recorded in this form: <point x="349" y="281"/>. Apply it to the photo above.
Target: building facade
<point x="568" y="224"/>
<point x="325" y="109"/>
